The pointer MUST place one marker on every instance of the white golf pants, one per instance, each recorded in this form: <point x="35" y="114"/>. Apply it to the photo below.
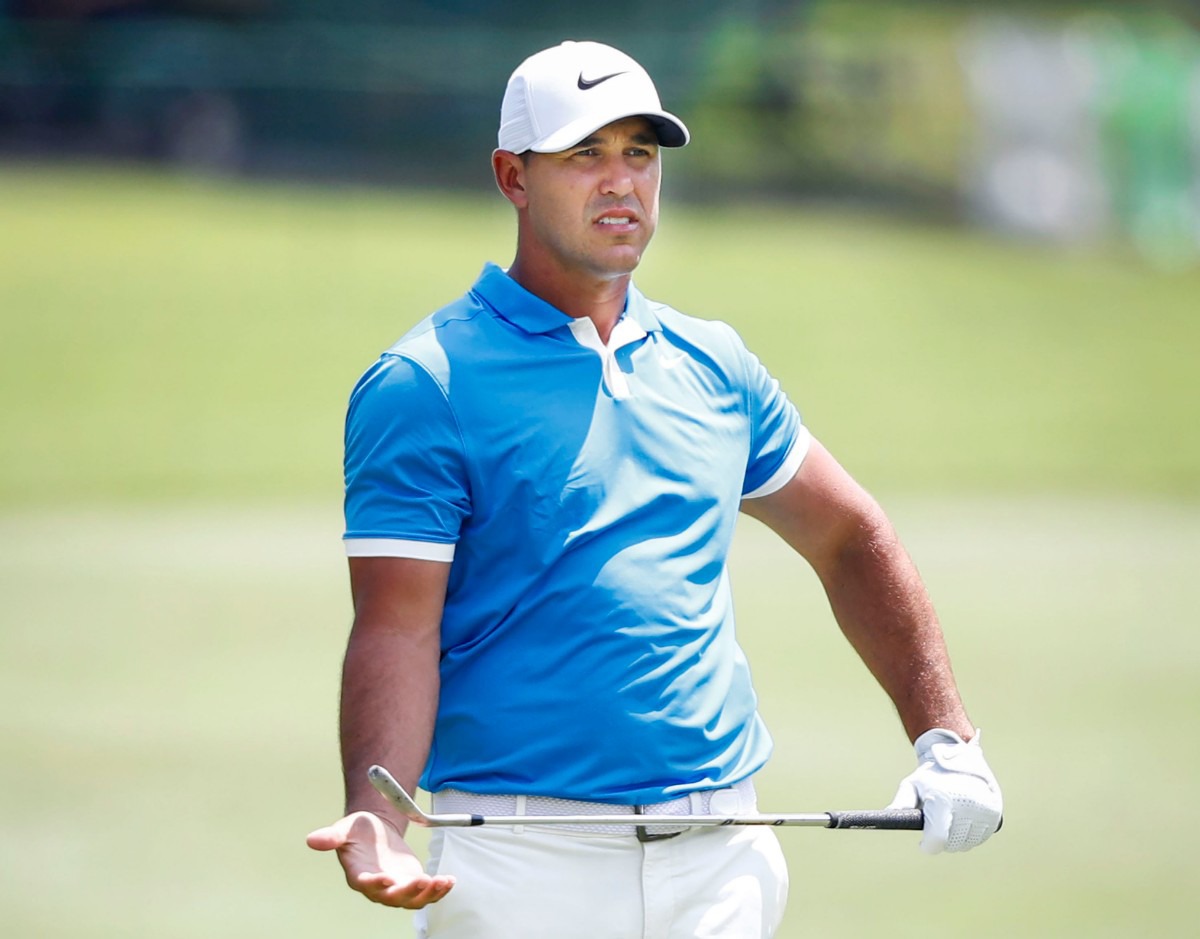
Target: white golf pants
<point x="538" y="883"/>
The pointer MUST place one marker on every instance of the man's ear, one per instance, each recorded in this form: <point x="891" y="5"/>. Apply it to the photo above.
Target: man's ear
<point x="509" y="170"/>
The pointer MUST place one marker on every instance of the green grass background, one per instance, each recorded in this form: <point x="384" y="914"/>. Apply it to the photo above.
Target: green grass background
<point x="174" y="361"/>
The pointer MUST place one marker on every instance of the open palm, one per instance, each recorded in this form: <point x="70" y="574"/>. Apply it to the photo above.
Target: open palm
<point x="378" y="863"/>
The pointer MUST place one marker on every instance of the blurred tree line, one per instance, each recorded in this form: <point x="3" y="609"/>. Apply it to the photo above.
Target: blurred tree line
<point x="1054" y="118"/>
<point x="396" y="89"/>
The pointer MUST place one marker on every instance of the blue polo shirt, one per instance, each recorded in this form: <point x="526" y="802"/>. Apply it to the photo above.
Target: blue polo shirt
<point x="585" y="495"/>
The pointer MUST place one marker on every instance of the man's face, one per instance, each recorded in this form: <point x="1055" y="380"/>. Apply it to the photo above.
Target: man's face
<point x="593" y="208"/>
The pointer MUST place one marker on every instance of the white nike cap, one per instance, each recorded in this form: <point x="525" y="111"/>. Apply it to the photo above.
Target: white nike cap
<point x="560" y="95"/>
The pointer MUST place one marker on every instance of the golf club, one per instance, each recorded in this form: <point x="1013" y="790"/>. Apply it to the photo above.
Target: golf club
<point x="889" y="819"/>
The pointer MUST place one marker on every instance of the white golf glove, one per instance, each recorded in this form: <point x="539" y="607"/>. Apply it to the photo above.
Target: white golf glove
<point x="956" y="789"/>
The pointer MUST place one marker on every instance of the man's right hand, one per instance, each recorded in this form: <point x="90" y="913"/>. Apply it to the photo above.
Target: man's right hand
<point x="377" y="862"/>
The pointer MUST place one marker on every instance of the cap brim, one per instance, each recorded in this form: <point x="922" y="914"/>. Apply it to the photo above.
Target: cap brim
<point x="669" y="129"/>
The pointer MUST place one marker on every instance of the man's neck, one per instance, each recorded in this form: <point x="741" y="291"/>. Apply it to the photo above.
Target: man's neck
<point x="602" y="300"/>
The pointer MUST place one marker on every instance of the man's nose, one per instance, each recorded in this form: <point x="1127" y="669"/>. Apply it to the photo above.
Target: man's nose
<point x="617" y="179"/>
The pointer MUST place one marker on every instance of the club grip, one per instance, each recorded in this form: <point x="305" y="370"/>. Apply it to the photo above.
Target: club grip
<point x="885" y="819"/>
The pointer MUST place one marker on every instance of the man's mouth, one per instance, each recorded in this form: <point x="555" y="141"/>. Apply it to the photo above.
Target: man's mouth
<point x="618" y="220"/>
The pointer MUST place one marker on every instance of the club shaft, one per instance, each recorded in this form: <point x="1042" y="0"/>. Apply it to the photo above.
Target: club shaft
<point x="892" y="819"/>
<point x="907" y="819"/>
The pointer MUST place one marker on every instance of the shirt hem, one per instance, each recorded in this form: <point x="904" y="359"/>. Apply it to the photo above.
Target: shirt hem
<point x="398" y="548"/>
<point x="791" y="465"/>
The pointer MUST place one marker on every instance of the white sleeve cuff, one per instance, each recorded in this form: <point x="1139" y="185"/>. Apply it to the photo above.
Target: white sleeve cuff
<point x="398" y="548"/>
<point x="791" y="464"/>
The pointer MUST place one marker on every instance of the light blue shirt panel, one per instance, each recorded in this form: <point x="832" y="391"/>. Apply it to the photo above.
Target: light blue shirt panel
<point x="588" y="636"/>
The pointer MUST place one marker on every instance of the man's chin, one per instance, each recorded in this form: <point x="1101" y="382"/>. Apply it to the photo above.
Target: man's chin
<point x="620" y="262"/>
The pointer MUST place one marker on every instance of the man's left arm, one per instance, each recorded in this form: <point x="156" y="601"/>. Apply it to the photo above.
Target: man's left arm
<point x="882" y="607"/>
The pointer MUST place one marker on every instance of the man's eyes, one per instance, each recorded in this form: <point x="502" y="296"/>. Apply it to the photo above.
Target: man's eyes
<point x="632" y="151"/>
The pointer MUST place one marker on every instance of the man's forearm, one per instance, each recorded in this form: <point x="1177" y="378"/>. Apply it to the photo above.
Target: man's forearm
<point x="882" y="607"/>
<point x="389" y="702"/>
<point x="873" y="588"/>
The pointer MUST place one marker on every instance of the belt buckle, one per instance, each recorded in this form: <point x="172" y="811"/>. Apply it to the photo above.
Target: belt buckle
<point x="644" y="836"/>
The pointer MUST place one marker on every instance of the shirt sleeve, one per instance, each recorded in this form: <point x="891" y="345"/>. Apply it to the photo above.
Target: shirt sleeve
<point x="778" y="438"/>
<point x="407" y="490"/>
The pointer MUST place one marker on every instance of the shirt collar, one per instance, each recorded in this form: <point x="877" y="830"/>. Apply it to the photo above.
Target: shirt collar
<point x="638" y="309"/>
<point x="512" y="302"/>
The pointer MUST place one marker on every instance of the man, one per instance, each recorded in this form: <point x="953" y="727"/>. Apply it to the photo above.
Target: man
<point x="542" y="484"/>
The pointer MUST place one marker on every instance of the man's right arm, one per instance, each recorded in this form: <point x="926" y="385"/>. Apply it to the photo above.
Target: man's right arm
<point x="389" y="701"/>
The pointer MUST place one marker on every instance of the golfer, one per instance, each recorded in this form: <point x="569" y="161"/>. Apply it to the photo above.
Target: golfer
<point x="542" y="482"/>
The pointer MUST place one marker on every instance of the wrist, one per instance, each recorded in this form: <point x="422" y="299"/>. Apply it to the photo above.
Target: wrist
<point x="385" y="813"/>
<point x="924" y="743"/>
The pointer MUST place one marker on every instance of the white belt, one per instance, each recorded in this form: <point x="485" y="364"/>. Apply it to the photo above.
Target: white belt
<point x="738" y="799"/>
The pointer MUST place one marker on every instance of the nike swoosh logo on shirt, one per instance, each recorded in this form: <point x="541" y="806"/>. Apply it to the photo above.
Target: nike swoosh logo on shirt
<point x="670" y="361"/>
<point x="586" y="83"/>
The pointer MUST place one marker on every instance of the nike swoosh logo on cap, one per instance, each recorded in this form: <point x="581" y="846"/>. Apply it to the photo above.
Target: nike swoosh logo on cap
<point x="585" y="83"/>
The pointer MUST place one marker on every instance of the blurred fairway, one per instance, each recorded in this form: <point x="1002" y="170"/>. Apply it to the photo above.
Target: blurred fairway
<point x="166" y="339"/>
<point x="175" y="358"/>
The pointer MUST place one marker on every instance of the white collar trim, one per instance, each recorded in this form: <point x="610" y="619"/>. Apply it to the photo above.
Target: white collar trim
<point x="626" y="331"/>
